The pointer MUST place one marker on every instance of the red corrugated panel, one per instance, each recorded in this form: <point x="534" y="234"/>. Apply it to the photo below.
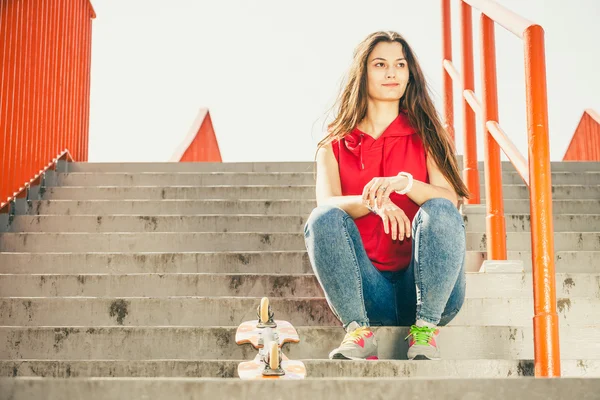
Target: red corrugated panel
<point x="45" y="49"/>
<point x="201" y="143"/>
<point x="585" y="144"/>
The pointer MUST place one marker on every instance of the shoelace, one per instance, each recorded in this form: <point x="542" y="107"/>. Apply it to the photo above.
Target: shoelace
<point x="355" y="335"/>
<point x="422" y="334"/>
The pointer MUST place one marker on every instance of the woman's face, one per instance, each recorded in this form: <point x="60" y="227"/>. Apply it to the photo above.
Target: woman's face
<point x="387" y="72"/>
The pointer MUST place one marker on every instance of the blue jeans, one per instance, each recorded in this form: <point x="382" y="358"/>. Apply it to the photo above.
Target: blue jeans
<point x="432" y="288"/>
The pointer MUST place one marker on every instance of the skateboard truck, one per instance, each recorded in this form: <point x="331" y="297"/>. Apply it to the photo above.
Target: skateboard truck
<point x="272" y="359"/>
<point x="265" y="316"/>
<point x="273" y="368"/>
<point x="273" y="372"/>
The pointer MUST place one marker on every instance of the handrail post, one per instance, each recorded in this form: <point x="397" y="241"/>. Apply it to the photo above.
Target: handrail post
<point x="470" y="169"/>
<point x="545" y="320"/>
<point x="446" y="78"/>
<point x="495" y="224"/>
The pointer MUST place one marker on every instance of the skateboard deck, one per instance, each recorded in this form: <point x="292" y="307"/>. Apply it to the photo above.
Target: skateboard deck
<point x="253" y="369"/>
<point x="247" y="332"/>
<point x="268" y="336"/>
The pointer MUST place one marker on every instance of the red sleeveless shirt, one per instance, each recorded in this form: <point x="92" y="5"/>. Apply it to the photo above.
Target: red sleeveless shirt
<point x="360" y="159"/>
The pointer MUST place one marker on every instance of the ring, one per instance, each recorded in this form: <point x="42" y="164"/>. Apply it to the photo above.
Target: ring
<point x="383" y="188"/>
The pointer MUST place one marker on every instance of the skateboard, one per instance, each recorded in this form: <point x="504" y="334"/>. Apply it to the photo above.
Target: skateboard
<point x="267" y="336"/>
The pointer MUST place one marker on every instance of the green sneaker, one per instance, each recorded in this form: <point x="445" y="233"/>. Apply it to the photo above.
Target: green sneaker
<point x="422" y="344"/>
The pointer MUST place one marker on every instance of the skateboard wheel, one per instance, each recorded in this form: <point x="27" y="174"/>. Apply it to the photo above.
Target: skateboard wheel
<point x="264" y="310"/>
<point x="274" y="356"/>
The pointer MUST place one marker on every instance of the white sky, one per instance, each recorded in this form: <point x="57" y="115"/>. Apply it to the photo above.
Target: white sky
<point x="269" y="71"/>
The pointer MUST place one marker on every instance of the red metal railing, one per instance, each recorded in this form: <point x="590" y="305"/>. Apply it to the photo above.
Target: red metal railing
<point x="585" y="144"/>
<point x="536" y="173"/>
<point x="45" y="57"/>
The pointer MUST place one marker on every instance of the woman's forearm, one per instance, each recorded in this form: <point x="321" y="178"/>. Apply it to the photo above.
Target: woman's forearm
<point x="421" y="192"/>
<point x="353" y="205"/>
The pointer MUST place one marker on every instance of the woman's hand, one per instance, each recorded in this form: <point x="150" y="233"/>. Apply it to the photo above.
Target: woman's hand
<point x="394" y="220"/>
<point x="377" y="192"/>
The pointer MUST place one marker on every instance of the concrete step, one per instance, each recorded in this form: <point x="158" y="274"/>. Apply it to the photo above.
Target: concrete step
<point x="209" y="343"/>
<point x="315" y="389"/>
<point x="221" y="311"/>
<point x="559" y="192"/>
<point x="285" y="166"/>
<point x="173" y="207"/>
<point x="269" y="262"/>
<point x="256" y="206"/>
<point x="246" y="223"/>
<point x="521" y="222"/>
<point x="558" y="207"/>
<point x="261" y="178"/>
<point x="479" y="285"/>
<point x="185" y="178"/>
<point x="522" y="241"/>
<point x="297" y="192"/>
<point x="555" y="166"/>
<point x="37" y="242"/>
<point x="157" y="262"/>
<point x="150" y="242"/>
<point x="234" y="262"/>
<point x="283" y="192"/>
<point x="315" y="368"/>
<point x="580" y="261"/>
<point x="162" y="223"/>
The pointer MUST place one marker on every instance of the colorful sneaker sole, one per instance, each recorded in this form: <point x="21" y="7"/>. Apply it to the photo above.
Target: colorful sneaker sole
<point x="423" y="357"/>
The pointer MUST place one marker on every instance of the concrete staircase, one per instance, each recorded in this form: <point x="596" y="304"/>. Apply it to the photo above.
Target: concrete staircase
<point x="140" y="273"/>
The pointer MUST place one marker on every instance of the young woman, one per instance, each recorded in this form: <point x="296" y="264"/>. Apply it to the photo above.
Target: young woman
<point x="386" y="240"/>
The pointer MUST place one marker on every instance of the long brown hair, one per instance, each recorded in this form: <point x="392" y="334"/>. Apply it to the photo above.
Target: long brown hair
<point x="416" y="101"/>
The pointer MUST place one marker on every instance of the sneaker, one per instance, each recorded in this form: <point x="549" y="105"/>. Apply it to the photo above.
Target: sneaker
<point x="358" y="344"/>
<point x="422" y="344"/>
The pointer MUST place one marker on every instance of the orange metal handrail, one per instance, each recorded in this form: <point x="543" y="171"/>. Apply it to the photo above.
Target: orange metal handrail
<point x="535" y="172"/>
<point x="511" y="151"/>
<point x="446" y="79"/>
<point x="504" y="17"/>
<point x="496" y="227"/>
<point x="470" y="168"/>
<point x="45" y="57"/>
<point x="474" y="102"/>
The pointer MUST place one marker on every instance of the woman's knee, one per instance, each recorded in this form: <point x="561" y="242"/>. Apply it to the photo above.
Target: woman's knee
<point x="441" y="233"/>
<point x="441" y="211"/>
<point x="323" y="218"/>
